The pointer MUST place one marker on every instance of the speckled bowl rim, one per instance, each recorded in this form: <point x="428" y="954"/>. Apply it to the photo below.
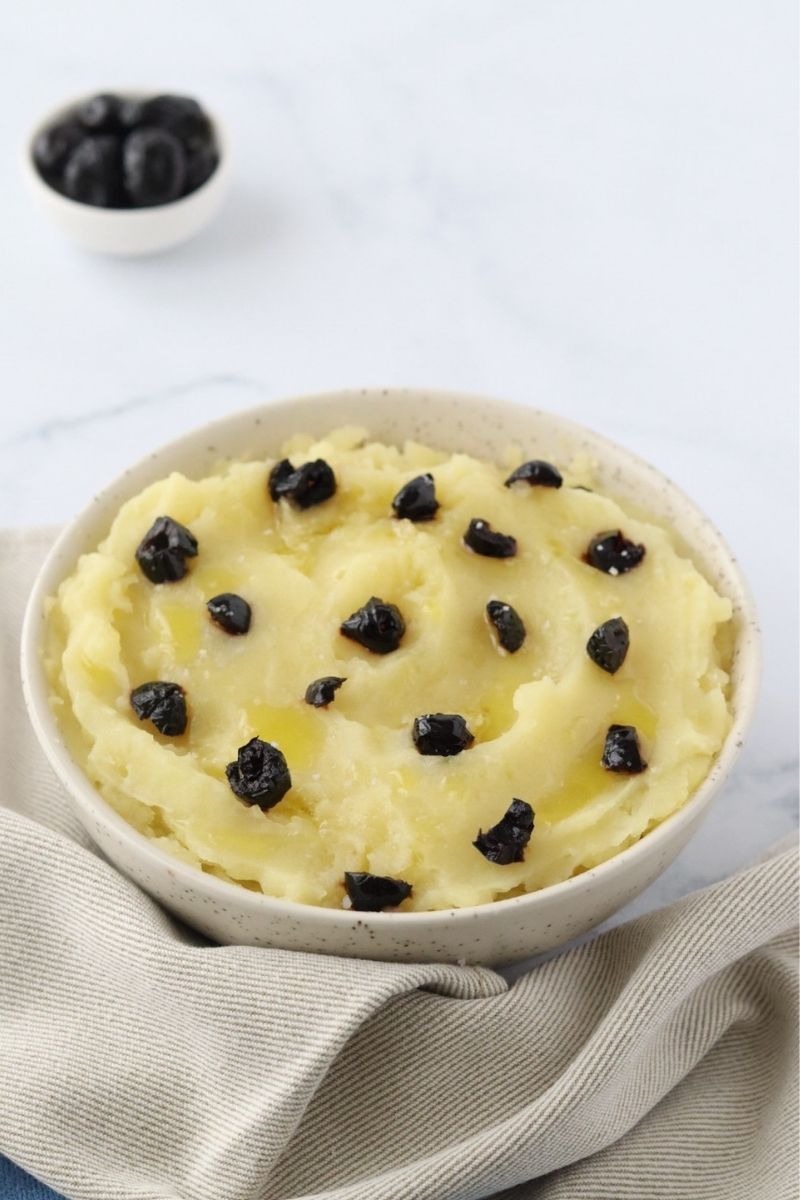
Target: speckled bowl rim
<point x="139" y="216"/>
<point x="746" y="655"/>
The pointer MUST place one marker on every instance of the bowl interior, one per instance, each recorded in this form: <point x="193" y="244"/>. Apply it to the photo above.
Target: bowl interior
<point x="450" y="421"/>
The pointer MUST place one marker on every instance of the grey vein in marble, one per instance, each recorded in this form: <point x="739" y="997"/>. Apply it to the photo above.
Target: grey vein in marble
<point x="59" y="425"/>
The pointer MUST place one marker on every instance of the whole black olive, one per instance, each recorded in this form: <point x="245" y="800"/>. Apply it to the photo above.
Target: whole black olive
<point x="92" y="172"/>
<point x="154" y="167"/>
<point x="53" y="147"/>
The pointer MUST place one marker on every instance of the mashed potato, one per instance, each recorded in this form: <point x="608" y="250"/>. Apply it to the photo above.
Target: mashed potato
<point x="363" y="799"/>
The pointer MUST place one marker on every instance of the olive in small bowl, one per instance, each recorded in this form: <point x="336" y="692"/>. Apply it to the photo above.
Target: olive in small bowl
<point x="129" y="173"/>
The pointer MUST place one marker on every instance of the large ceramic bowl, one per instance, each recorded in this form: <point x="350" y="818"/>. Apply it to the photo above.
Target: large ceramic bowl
<point x="506" y="930"/>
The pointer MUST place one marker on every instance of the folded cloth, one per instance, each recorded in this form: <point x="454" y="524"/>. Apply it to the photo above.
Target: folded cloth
<point x="138" y="1062"/>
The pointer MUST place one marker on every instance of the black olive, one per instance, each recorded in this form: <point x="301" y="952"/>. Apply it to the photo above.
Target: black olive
<point x="613" y="553"/>
<point x="443" y="734"/>
<point x="608" y="645"/>
<point x="322" y="691"/>
<point x="154" y="167"/>
<point x="505" y="842"/>
<point x="508" y="624"/>
<point x="260" y="774"/>
<point x="53" y="147"/>
<point x="162" y="703"/>
<point x="163" y="551"/>
<point x="101" y="114"/>
<point x="131" y="113"/>
<point x="201" y="163"/>
<point x="372" y="893"/>
<point x="181" y="116"/>
<point x="416" y="500"/>
<point x="622" y="752"/>
<point x="536" y="473"/>
<point x="305" y="486"/>
<point x="377" y="626"/>
<point x="92" y="174"/>
<point x="279" y="477"/>
<point x="481" y="538"/>
<point x="230" y="612"/>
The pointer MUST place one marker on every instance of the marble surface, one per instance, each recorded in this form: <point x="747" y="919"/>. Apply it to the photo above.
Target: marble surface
<point x="586" y="207"/>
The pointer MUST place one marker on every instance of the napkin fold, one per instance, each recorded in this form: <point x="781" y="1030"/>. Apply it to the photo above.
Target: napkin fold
<point x="139" y="1062"/>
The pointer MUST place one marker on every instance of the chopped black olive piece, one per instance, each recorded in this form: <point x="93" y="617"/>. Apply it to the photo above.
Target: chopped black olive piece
<point x="322" y="691"/>
<point x="377" y="626"/>
<point x="444" y="734"/>
<point x="260" y="774"/>
<point x="481" y="538"/>
<point x="507" y="623"/>
<point x="581" y="487"/>
<point x="622" y="752"/>
<point x="608" y="645"/>
<point x="279" y="476"/>
<point x="613" y="553"/>
<point x="153" y="166"/>
<point x="163" y="551"/>
<point x="162" y="703"/>
<point x="537" y="473"/>
<point x="305" y="486"/>
<point x="505" y="842"/>
<point x="230" y="612"/>
<point x="372" y="893"/>
<point x="416" y="501"/>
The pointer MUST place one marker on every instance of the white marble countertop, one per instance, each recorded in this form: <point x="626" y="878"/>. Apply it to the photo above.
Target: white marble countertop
<point x="585" y="207"/>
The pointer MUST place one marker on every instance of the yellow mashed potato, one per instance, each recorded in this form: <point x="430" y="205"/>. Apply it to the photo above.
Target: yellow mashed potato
<point x="362" y="797"/>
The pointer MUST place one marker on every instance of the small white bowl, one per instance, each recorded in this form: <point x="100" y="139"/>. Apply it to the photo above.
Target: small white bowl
<point x="128" y="232"/>
<point x="506" y="930"/>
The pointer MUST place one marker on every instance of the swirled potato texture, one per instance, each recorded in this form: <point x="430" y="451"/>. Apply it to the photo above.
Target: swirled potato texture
<point x="362" y="797"/>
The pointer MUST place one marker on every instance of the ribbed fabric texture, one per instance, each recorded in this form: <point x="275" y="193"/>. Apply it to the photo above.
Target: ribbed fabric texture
<point x="138" y="1062"/>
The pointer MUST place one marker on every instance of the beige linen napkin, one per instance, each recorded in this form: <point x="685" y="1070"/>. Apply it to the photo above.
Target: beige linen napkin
<point x="138" y="1062"/>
